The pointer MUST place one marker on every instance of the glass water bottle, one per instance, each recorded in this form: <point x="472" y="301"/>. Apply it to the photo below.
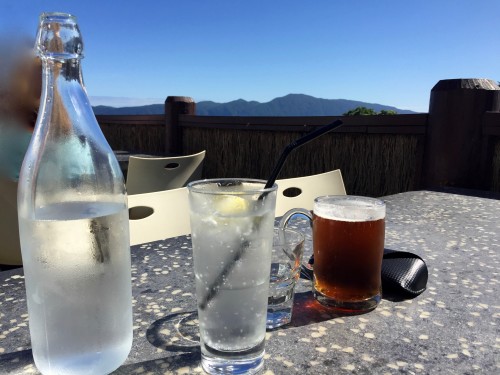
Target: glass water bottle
<point x="73" y="221"/>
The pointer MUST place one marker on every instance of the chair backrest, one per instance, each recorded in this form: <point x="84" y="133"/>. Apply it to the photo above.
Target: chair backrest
<point x="300" y="192"/>
<point x="10" y="249"/>
<point x="159" y="215"/>
<point x="146" y="175"/>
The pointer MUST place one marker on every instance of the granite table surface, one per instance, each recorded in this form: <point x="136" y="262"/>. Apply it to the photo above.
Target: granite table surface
<point x="451" y="328"/>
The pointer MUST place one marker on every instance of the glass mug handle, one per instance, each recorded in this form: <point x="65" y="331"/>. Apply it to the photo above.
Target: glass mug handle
<point x="287" y="216"/>
<point x="305" y="270"/>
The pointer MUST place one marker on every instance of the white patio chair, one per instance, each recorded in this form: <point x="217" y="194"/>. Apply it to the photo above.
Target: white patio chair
<point x="158" y="215"/>
<point x="300" y="192"/>
<point x="146" y="175"/>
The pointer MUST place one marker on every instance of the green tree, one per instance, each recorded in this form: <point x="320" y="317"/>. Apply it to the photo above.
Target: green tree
<point x="363" y="111"/>
<point x="387" y="112"/>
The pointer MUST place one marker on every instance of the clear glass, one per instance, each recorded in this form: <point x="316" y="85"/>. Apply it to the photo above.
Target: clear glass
<point x="348" y="246"/>
<point x="73" y="221"/>
<point x="232" y="224"/>
<point x="286" y="259"/>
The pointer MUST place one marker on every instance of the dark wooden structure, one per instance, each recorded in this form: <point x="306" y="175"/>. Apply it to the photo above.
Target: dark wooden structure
<point x="458" y="152"/>
<point x="175" y="106"/>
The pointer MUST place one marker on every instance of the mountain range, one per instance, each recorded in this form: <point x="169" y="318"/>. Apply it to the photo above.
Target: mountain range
<point x="289" y="105"/>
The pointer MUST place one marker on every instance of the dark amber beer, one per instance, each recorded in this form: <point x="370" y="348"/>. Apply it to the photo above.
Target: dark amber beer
<point x="348" y="243"/>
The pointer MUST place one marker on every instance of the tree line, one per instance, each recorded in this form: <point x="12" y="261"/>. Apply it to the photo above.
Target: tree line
<point x="363" y="111"/>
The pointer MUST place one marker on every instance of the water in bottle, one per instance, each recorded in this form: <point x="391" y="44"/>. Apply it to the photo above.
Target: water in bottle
<point x="73" y="221"/>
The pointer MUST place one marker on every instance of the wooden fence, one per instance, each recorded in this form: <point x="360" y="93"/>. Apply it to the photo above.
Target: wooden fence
<point x="371" y="154"/>
<point x="141" y="134"/>
<point x="456" y="144"/>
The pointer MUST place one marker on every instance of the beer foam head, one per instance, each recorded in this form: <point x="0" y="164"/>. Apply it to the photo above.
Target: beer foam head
<point x="349" y="208"/>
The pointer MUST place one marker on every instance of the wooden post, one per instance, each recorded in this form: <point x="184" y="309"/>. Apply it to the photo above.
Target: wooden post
<point x="175" y="106"/>
<point x="453" y="155"/>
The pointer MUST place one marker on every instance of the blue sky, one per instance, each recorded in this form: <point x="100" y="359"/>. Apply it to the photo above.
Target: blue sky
<point x="388" y="51"/>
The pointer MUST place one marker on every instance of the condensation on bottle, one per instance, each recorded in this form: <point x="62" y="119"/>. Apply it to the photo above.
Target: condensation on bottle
<point x="73" y="221"/>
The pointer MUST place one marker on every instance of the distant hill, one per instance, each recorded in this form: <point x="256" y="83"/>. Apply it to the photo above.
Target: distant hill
<point x="289" y="105"/>
<point x="152" y="109"/>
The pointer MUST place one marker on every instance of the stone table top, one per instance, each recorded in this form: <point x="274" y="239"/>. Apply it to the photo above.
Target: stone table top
<point x="451" y="328"/>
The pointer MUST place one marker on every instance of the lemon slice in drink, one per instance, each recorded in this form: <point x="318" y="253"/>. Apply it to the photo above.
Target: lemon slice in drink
<point x="231" y="205"/>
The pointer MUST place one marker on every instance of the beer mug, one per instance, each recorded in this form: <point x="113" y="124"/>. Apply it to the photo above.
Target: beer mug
<point x="348" y="246"/>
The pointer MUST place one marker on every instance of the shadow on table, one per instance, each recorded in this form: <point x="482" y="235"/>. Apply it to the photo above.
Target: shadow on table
<point x="306" y="310"/>
<point x="162" y="365"/>
<point x="176" y="333"/>
<point x="16" y="363"/>
<point x="22" y="362"/>
<point x="180" y="332"/>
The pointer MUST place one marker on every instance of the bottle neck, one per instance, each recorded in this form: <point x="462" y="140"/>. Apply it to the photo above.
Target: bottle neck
<point x="60" y="47"/>
<point x="67" y="70"/>
<point x="62" y="83"/>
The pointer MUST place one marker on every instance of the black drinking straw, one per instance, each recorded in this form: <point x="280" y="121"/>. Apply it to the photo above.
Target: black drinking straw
<point x="214" y="287"/>
<point x="296" y="144"/>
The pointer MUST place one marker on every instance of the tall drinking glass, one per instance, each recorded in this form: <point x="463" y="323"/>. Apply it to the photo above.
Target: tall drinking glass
<point x="232" y="233"/>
